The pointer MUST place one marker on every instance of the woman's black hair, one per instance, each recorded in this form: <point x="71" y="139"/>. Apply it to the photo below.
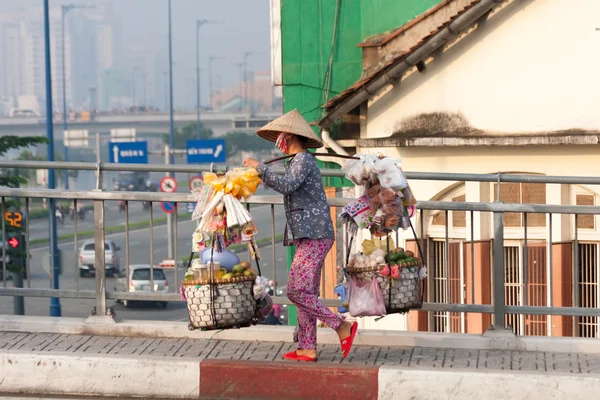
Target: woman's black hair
<point x="303" y="139"/>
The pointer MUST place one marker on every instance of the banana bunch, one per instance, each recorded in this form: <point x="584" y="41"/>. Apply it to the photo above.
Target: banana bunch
<point x="241" y="183"/>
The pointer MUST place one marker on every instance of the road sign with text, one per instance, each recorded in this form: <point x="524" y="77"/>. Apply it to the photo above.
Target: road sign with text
<point x="128" y="152"/>
<point x="206" y="151"/>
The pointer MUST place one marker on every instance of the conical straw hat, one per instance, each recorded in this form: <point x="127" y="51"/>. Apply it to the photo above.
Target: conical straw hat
<point x="292" y="122"/>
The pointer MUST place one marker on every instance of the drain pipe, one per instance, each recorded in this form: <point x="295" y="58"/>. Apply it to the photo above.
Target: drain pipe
<point x="445" y="35"/>
<point x="332" y="144"/>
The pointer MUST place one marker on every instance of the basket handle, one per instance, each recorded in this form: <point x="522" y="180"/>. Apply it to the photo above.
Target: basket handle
<point x="421" y="292"/>
<point x="256" y="258"/>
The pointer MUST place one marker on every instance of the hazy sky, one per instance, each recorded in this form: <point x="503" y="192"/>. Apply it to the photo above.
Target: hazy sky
<point x="244" y="27"/>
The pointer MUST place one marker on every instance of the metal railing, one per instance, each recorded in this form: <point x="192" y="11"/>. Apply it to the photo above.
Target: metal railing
<point x="497" y="307"/>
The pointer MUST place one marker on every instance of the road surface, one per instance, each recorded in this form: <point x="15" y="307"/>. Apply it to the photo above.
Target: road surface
<point x="139" y="242"/>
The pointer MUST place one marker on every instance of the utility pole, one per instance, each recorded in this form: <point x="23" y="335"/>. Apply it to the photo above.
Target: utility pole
<point x="55" y="310"/>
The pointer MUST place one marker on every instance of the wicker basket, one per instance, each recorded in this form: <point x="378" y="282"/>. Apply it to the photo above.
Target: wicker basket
<point x="406" y="291"/>
<point x="224" y="304"/>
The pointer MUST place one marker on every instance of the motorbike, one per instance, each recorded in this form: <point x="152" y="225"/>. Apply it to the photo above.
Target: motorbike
<point x="278" y="314"/>
<point x="80" y="212"/>
<point x="60" y="217"/>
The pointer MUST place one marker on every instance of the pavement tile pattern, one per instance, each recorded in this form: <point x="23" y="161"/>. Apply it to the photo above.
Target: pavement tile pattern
<point x="413" y="357"/>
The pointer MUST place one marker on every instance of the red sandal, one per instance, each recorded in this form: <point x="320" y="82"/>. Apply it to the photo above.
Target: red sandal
<point x="294" y="356"/>
<point x="347" y="342"/>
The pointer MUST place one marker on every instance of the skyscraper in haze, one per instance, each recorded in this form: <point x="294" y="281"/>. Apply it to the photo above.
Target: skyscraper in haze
<point x="89" y="49"/>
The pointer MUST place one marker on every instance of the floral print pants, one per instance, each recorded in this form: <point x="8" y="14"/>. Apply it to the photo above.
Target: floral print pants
<point x="303" y="290"/>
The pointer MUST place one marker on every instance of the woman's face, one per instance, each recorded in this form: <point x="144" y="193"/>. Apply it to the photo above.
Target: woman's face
<point x="284" y="141"/>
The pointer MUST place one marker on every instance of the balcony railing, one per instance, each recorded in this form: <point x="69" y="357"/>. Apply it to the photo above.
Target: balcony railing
<point x="452" y="285"/>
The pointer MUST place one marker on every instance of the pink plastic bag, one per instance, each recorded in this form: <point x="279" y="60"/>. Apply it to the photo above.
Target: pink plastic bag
<point x="366" y="299"/>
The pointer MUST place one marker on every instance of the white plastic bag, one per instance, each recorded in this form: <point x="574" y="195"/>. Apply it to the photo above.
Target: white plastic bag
<point x="390" y="175"/>
<point x="366" y="299"/>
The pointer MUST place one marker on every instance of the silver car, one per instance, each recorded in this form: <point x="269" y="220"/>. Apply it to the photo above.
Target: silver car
<point x="139" y="281"/>
<point x="87" y="258"/>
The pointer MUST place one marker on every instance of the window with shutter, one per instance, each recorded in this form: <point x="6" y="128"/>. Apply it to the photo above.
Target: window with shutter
<point x="585" y="221"/>
<point x="522" y="193"/>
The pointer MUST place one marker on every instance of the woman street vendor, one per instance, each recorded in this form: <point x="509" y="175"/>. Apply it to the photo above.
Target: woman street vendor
<point x="308" y="227"/>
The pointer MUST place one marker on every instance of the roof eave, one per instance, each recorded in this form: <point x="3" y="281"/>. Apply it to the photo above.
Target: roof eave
<point x="419" y="54"/>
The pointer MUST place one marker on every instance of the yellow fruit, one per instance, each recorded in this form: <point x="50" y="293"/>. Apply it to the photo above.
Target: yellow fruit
<point x="238" y="269"/>
<point x="248" y="273"/>
<point x="227" y="276"/>
<point x="210" y="177"/>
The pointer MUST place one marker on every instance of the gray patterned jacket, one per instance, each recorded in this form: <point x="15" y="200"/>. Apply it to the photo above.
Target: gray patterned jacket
<point x="306" y="208"/>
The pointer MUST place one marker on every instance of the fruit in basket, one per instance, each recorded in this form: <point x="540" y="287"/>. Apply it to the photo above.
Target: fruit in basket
<point x="409" y="260"/>
<point x="227" y="276"/>
<point x="245" y="264"/>
<point x="409" y="253"/>
<point x="237" y="269"/>
<point x="248" y="273"/>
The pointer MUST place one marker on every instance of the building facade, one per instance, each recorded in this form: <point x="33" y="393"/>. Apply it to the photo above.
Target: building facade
<point x="478" y="87"/>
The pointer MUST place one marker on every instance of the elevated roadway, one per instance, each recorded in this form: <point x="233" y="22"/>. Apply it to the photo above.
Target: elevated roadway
<point x="144" y="123"/>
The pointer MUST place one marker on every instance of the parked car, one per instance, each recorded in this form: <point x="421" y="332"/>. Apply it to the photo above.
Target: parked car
<point x="87" y="258"/>
<point x="139" y="281"/>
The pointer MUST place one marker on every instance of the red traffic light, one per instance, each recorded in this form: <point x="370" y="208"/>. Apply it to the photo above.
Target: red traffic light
<point x="14" y="242"/>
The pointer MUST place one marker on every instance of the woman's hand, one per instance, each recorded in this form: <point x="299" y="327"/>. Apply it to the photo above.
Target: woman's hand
<point x="251" y="162"/>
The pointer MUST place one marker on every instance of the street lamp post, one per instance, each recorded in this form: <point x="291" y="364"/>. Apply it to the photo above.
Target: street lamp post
<point x="65" y="8"/>
<point x="199" y="24"/>
<point x="144" y="88"/>
<point x="166" y="90"/>
<point x="246" y="55"/>
<point x="134" y="100"/>
<point x="171" y="123"/>
<point x="55" y="310"/>
<point x="210" y="77"/>
<point x="241" y="68"/>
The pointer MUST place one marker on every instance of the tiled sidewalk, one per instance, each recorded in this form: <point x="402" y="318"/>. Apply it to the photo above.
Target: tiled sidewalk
<point x="413" y="357"/>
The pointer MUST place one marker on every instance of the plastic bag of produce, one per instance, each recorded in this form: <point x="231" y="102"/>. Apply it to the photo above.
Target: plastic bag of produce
<point x="389" y="175"/>
<point x="366" y="299"/>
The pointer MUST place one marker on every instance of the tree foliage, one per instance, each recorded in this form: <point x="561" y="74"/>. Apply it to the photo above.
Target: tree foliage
<point x="235" y="141"/>
<point x="188" y="132"/>
<point x="243" y="141"/>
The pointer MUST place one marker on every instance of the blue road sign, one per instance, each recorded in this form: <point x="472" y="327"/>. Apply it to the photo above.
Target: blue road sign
<point x="128" y="152"/>
<point x="190" y="207"/>
<point x="206" y="151"/>
<point x="167" y="207"/>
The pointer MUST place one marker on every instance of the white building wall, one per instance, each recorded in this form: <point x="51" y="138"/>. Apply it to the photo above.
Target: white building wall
<point x="533" y="67"/>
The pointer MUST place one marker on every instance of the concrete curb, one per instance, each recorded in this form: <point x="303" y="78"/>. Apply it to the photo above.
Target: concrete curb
<point x="225" y="379"/>
<point x="64" y="374"/>
<point x="46" y="373"/>
<point x="491" y="340"/>
<point x="132" y="328"/>
<point x="427" y="384"/>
